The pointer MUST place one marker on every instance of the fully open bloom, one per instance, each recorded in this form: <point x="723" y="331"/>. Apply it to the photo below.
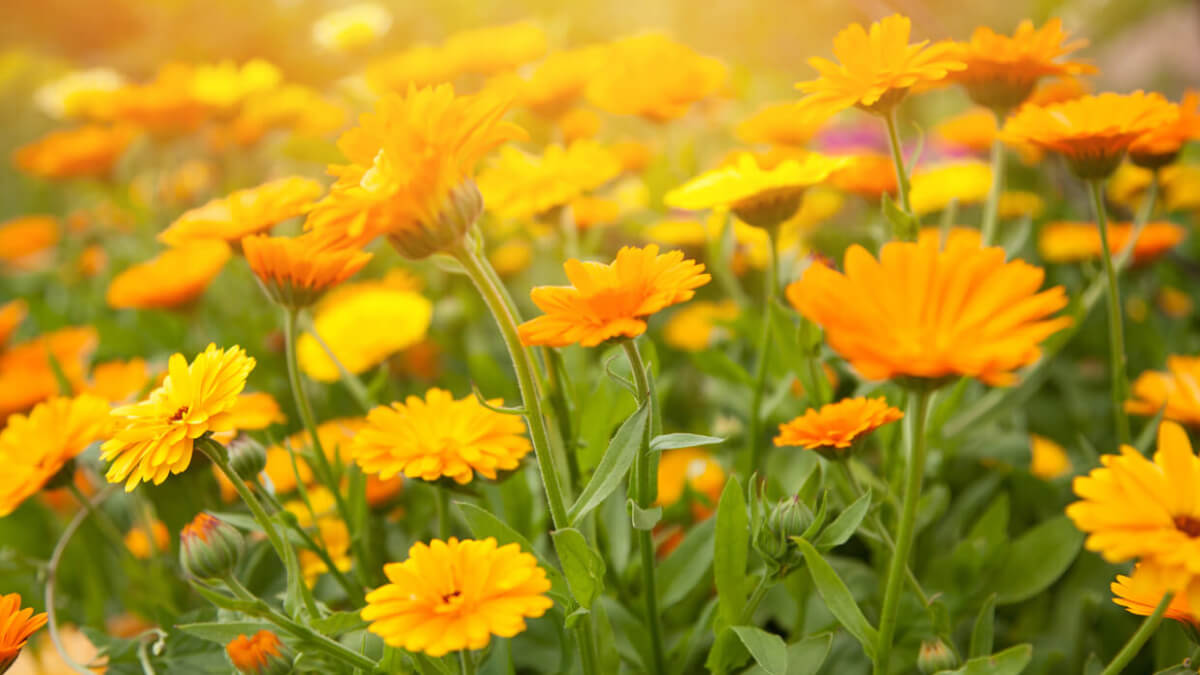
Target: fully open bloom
<point x="155" y="437"/>
<point x="876" y="69"/>
<point x="452" y="595"/>
<point x="780" y="124"/>
<point x="1141" y="591"/>
<point x="837" y="425"/>
<point x="654" y="77"/>
<point x="244" y="212"/>
<point x="438" y="436"/>
<point x="295" y="271"/>
<point x="1092" y="132"/>
<point x="608" y="301"/>
<point x="87" y="151"/>
<point x="1048" y="460"/>
<point x="260" y="654"/>
<point x="1071" y="242"/>
<point x="16" y="625"/>
<point x="170" y="279"/>
<point x="26" y="376"/>
<point x="518" y="185"/>
<point x="26" y="241"/>
<point x="352" y="27"/>
<point x="1132" y="507"/>
<point x="1161" y="145"/>
<point x="930" y="313"/>
<point x="1178" y="390"/>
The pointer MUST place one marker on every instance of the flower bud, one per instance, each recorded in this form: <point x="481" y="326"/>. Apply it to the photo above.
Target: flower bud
<point x="447" y="229"/>
<point x="261" y="654"/>
<point x="247" y="457"/>
<point x="935" y="655"/>
<point x="789" y="517"/>
<point x="209" y="547"/>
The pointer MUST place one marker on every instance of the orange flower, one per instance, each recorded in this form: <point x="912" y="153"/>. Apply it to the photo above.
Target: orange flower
<point x="559" y="81"/>
<point x="119" y="381"/>
<point x="973" y="130"/>
<point x="1002" y="71"/>
<point x="1092" y="132"/>
<point x="608" y="301"/>
<point x="654" y="77"/>
<point x="492" y="49"/>
<point x="143" y="545"/>
<point x="780" y="124"/>
<point x="1160" y="146"/>
<point x="244" y="212"/>
<point x="26" y="375"/>
<point x="1071" y="242"/>
<point x="255" y="410"/>
<point x="869" y="175"/>
<point x="260" y="654"/>
<point x="926" y="313"/>
<point x="174" y="277"/>
<point x="1058" y="90"/>
<point x="87" y="151"/>
<point x="691" y="469"/>
<point x="165" y="105"/>
<point x="876" y="69"/>
<point x="295" y="271"/>
<point x="16" y="625"/>
<point x="11" y="315"/>
<point x="24" y="238"/>
<point x="1141" y="591"/>
<point x="837" y="425"/>
<point x="1177" y="390"/>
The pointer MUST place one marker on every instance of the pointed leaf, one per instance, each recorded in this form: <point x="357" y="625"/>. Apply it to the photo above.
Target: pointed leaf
<point x="1037" y="559"/>
<point x="619" y="456"/>
<point x="981" y="634"/>
<point x="673" y="441"/>
<point x="845" y="525"/>
<point x="838" y="598"/>
<point x="732" y="543"/>
<point x="1011" y="661"/>
<point x="769" y="650"/>
<point x="582" y="565"/>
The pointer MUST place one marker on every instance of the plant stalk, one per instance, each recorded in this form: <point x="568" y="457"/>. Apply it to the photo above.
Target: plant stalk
<point x="1116" y="329"/>
<point x="1134" y="645"/>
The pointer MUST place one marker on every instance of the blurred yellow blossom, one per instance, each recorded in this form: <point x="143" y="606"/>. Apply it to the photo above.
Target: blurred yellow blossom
<point x="244" y="212"/>
<point x="655" y="77"/>
<point x="1049" y="459"/>
<point x="935" y="186"/>
<point x="519" y="186"/>
<point x="170" y="279"/>
<point x="67" y="97"/>
<point x="697" y="325"/>
<point x="352" y="27"/>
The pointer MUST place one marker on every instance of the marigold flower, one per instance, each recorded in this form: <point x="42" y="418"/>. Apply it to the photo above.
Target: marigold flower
<point x="295" y="271"/>
<point x="165" y="105"/>
<point x="1072" y="242"/>
<point x="244" y="212"/>
<point x="439" y="436"/>
<point x="876" y="69"/>
<point x="926" y="313"/>
<point x="118" y="381"/>
<point x="589" y="212"/>
<point x="170" y="279"/>
<point x="255" y="410"/>
<point x="24" y="239"/>
<point x="420" y="65"/>
<point x="783" y="124"/>
<point x="26" y="375"/>
<point x="608" y="301"/>
<point x="694" y="328"/>
<point x="11" y="315"/>
<point x="837" y="425"/>
<point x="1059" y="90"/>
<point x="155" y="437"/>
<point x="225" y="84"/>
<point x="560" y="80"/>
<point x="935" y="186"/>
<point x="579" y="124"/>
<point x="1141" y="591"/>
<point x="260" y="654"/>
<point x="1002" y="71"/>
<point x="694" y="470"/>
<point x="1048" y="459"/>
<point x="91" y="150"/>
<point x="654" y="77"/>
<point x="352" y="27"/>
<point x="299" y="109"/>
<point x="518" y="185"/>
<point x="492" y="49"/>
<point x="142" y="546"/>
<point x="69" y="96"/>
<point x="1177" y="390"/>
<point x="1161" y="145"/>
<point x="868" y="175"/>
<point x="35" y="447"/>
<point x="1092" y="132"/>
<point x="16" y="625"/>
<point x="974" y="130"/>
<point x="452" y="595"/>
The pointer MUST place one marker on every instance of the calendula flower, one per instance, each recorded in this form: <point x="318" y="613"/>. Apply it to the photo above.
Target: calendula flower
<point x="694" y="470"/>
<point x="298" y="109"/>
<point x="25" y="240"/>
<point x="606" y="301"/>
<point x="244" y="212"/>
<point x="876" y="68"/>
<point x="760" y="197"/>
<point x="1141" y="591"/>
<point x="45" y="659"/>
<point x="420" y="65"/>
<point x="88" y="151"/>
<point x="1002" y="71"/>
<point x="1092" y="132"/>
<point x="560" y="80"/>
<point x="165" y="105"/>
<point x="35" y="447"/>
<point x="492" y="49"/>
<point x="1059" y="90"/>
<point x="837" y="425"/>
<point x="1048" y="459"/>
<point x="784" y="124"/>
<point x="518" y="185"/>
<point x="1135" y="507"/>
<point x="143" y="545"/>
<point x="68" y="97"/>
<point x="589" y="212"/>
<point x="26" y="376"/>
<point x="439" y="436"/>
<point x="511" y="257"/>
<point x="973" y="130"/>
<point x="155" y="437"/>
<point x="172" y="278"/>
<point x="926" y="312"/>
<point x="579" y="124"/>
<point x="1177" y="391"/>
<point x="260" y="654"/>
<point x="16" y="625"/>
<point x="1071" y="242"/>
<point x="695" y="327"/>
<point x="353" y="27"/>
<point x="118" y="381"/>
<point x="935" y="186"/>
<point x="11" y="315"/>
<point x="869" y="175"/>
<point x="319" y="511"/>
<point x="654" y="77"/>
<point x="1161" y="145"/>
<point x="410" y="171"/>
<point x="452" y="595"/>
<point x="226" y="84"/>
<point x="295" y="271"/>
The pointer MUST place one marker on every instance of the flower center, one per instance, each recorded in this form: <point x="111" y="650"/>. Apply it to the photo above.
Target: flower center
<point x="450" y="596"/>
<point x="1188" y="525"/>
<point x="183" y="410"/>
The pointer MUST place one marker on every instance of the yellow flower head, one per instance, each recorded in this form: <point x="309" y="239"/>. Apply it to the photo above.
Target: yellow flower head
<point x="606" y="301"/>
<point x="155" y="437"/>
<point x="171" y="279"/>
<point x="295" y="271"/>
<point x="1002" y="71"/>
<point x="934" y="187"/>
<point x="1134" y="507"/>
<point x="410" y="170"/>
<point x="225" y="84"/>
<point x="1049" y="459"/>
<point x="16" y="625"/>
<point x="518" y="185"/>
<point x="693" y="328"/>
<point x="439" y="436"/>
<point x="783" y="124"/>
<point x="694" y="469"/>
<point x="927" y="312"/>
<point x="88" y="151"/>
<point x="837" y="425"/>
<point x="454" y="595"/>
<point x="299" y="109"/>
<point x="492" y="49"/>
<point x="1141" y="591"/>
<point x="353" y="27"/>
<point x="1092" y="132"/>
<point x="420" y="65"/>
<point x="654" y="77"/>
<point x="244" y="212"/>
<point x="1020" y="204"/>
<point x="560" y="80"/>
<point x="34" y="448"/>
<point x="1072" y="242"/>
<point x="1161" y="145"/>
<point x="1177" y="390"/>
<point x="876" y="68"/>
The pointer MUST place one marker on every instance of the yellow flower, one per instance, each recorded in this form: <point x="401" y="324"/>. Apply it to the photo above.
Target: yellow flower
<point x="295" y="271"/>
<point x="876" y="69"/>
<point x="933" y="187"/>
<point x="495" y="48"/>
<point x="512" y="257"/>
<point x="89" y="151"/>
<point x="255" y="410"/>
<point x="1173" y="302"/>
<point x="244" y="212"/>
<point x="69" y="96"/>
<point x="320" y="511"/>
<point x="139" y="543"/>
<point x="518" y="185"/>
<point x="34" y="448"/>
<point x="438" y="436"/>
<point x="155" y="437"/>
<point x="1161" y="145"/>
<point x="694" y="328"/>
<point x="609" y="301"/>
<point x="1177" y="390"/>
<point x="352" y="27"/>
<point x="1071" y="242"/>
<point x="455" y="595"/>
<point x="579" y="124"/>
<point x="783" y="124"/>
<point x="837" y="425"/>
<point x="1049" y="460"/>
<point x="299" y="109"/>
<point x="693" y="469"/>
<point x="18" y="624"/>
<point x="11" y="315"/>
<point x="1141" y="591"/>
<point x="926" y="313"/>
<point x="172" y="278"/>
<point x="1133" y="507"/>
<point x="558" y="81"/>
<point x="25" y="373"/>
<point x="224" y="84"/>
<point x="654" y="77"/>
<point x="1020" y="204"/>
<point x="420" y="65"/>
<point x="677" y="232"/>
<point x="25" y="240"/>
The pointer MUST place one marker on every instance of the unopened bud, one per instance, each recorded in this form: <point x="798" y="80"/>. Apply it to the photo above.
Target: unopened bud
<point x="247" y="457"/>
<point x="935" y="655"/>
<point x="457" y="215"/>
<point x="209" y="547"/>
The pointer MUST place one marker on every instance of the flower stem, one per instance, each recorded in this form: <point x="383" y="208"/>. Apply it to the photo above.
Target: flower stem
<point x="902" y="185"/>
<point x="992" y="206"/>
<point x="1116" y="330"/>
<point x="763" y="349"/>
<point x="760" y="590"/>
<point x="441" y="506"/>
<point x="915" y="474"/>
<point x="1131" y="648"/>
<point x="466" y="662"/>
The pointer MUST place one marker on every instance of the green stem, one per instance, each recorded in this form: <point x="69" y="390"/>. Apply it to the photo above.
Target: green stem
<point x="902" y="184"/>
<point x="760" y="590"/>
<point x="1131" y="648"/>
<point x="441" y="506"/>
<point x="763" y="349"/>
<point x="714" y="254"/>
<point x="1116" y="330"/>
<point x="644" y="489"/>
<point x="992" y="205"/>
<point x="466" y="662"/>
<point x="915" y="474"/>
<point x="111" y="531"/>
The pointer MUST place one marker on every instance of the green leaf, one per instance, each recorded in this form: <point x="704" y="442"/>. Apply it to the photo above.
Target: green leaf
<point x="619" y="456"/>
<point x="1145" y="440"/>
<point x="224" y="632"/>
<point x="804" y="657"/>
<point x="688" y="565"/>
<point x="1037" y="559"/>
<point x="484" y="524"/>
<point x="582" y="565"/>
<point x="904" y="224"/>
<point x="731" y="544"/>
<point x="718" y="364"/>
<point x="1011" y="661"/>
<point x="838" y="598"/>
<point x="643" y="519"/>
<point x="673" y="441"/>
<point x="845" y="525"/>
<point x="727" y="653"/>
<point x="339" y="623"/>
<point x="769" y="650"/>
<point x="981" y="634"/>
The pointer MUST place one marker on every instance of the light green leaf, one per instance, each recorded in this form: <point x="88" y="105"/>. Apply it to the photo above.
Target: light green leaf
<point x="804" y="657"/>
<point x="673" y="441"/>
<point x="718" y="364"/>
<point x="845" y="525"/>
<point x="619" y="456"/>
<point x="339" y="623"/>
<point x="582" y="565"/>
<point x="769" y="650"/>
<point x="732" y="542"/>
<point x="838" y="598"/>
<point x="643" y="519"/>
<point x="1037" y="559"/>
<point x="981" y="634"/>
<point x="687" y="565"/>
<point x="223" y="632"/>
<point x="1011" y="661"/>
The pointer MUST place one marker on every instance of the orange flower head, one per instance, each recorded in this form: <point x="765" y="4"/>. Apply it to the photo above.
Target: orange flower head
<point x="607" y="301"/>
<point x="876" y="69"/>
<point x="929" y="313"/>
<point x="119" y="381"/>
<point x="784" y="124"/>
<point x="454" y="595"/>
<point x="172" y="278"/>
<point x="1062" y="242"/>
<point x="295" y="271"/>
<point x="26" y="376"/>
<point x="1177" y="390"/>
<point x="868" y="175"/>
<point x="244" y="212"/>
<point x="410" y="171"/>
<point x="1160" y="146"/>
<point x="89" y="151"/>
<point x="1141" y="591"/>
<point x="26" y="241"/>
<point x="143" y="545"/>
<point x="260" y="654"/>
<point x="12" y="313"/>
<point x="837" y="425"/>
<point x="690" y="469"/>
<point x="16" y="625"/>
<point x="492" y="49"/>
<point x="973" y="130"/>
<point x="523" y="186"/>
<point x="654" y="77"/>
<point x="1092" y="132"/>
<point x="1002" y="71"/>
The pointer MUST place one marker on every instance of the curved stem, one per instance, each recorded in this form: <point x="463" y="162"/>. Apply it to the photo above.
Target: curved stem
<point x="1131" y="648"/>
<point x="902" y="185"/>
<point x="763" y="348"/>
<point x="915" y="474"/>
<point x="760" y="590"/>
<point x="992" y="205"/>
<point x="111" y="532"/>
<point x="1116" y="329"/>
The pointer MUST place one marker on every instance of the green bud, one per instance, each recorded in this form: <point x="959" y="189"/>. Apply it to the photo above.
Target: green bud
<point x="935" y="655"/>
<point x="210" y="547"/>
<point x="247" y="457"/>
<point x="789" y="517"/>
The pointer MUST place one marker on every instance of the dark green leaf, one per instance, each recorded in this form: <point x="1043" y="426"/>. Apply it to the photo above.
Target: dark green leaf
<point x="619" y="456"/>
<point x="688" y="565"/>
<point x="981" y="634"/>
<point x="1011" y="661"/>
<point x="1037" y="559"/>
<point x="582" y="565"/>
<point x="838" y="598"/>
<point x="673" y="441"/>
<point x="845" y="525"/>
<point x="769" y="650"/>
<point x="223" y="632"/>
<point x="732" y="542"/>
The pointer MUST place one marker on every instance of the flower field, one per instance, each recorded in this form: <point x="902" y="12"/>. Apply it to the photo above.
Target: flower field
<point x="377" y="337"/>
